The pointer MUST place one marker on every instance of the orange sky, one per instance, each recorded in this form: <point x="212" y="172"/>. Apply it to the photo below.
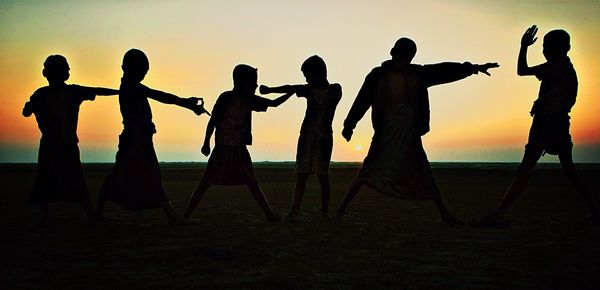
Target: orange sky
<point x="194" y="46"/>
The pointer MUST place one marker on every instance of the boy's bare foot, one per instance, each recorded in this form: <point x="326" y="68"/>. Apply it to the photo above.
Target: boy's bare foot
<point x="325" y="217"/>
<point x="176" y="219"/>
<point x="338" y="219"/>
<point x="491" y="220"/>
<point x="452" y="220"/>
<point x="292" y="218"/>
<point x="273" y="218"/>
<point x="42" y="222"/>
<point x="592" y="220"/>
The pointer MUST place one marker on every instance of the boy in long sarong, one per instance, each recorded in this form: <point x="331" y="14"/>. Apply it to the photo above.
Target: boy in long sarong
<point x="315" y="143"/>
<point x="135" y="180"/>
<point x="230" y="162"/>
<point x="59" y="175"/>
<point x="396" y="91"/>
<point x="549" y="131"/>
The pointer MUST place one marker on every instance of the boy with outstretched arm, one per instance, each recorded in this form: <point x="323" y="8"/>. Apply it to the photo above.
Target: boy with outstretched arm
<point x="315" y="143"/>
<point x="59" y="175"/>
<point x="230" y="162"/>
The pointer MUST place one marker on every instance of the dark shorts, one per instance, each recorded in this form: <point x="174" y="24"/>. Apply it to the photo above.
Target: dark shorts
<point x="313" y="153"/>
<point x="229" y="165"/>
<point x="59" y="175"/>
<point x="135" y="180"/>
<point x="550" y="132"/>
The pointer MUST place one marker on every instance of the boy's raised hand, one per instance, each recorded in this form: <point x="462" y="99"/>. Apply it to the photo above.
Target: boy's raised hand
<point x="483" y="68"/>
<point x="529" y="36"/>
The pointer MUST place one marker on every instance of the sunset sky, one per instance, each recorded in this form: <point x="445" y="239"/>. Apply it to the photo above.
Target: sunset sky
<point x="194" y="45"/>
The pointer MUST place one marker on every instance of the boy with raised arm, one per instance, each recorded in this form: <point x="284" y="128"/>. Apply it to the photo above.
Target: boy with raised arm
<point x="230" y="162"/>
<point x="396" y="91"/>
<point x="549" y="131"/>
<point x="135" y="180"/>
<point x="315" y="143"/>
<point x="59" y="175"/>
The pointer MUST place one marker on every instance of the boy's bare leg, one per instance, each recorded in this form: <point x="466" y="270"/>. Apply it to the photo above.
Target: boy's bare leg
<point x="44" y="214"/>
<point x="530" y="159"/>
<point x="172" y="216"/>
<point x="566" y="161"/>
<point x="496" y="217"/>
<point x="196" y="197"/>
<point x="355" y="186"/>
<point x="259" y="197"/>
<point x="89" y="209"/>
<point x="325" y="192"/>
<point x="100" y="207"/>
<point x="445" y="215"/>
<point x="294" y="215"/>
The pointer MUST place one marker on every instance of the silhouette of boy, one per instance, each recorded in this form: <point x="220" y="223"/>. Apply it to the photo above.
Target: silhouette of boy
<point x="59" y="175"/>
<point x="135" y="180"/>
<point x="230" y="163"/>
<point x="315" y="143"/>
<point x="549" y="131"/>
<point x="396" y="163"/>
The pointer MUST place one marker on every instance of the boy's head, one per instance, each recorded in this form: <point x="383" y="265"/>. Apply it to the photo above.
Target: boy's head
<point x="245" y="78"/>
<point x="404" y="49"/>
<point x="557" y="43"/>
<point x="314" y="69"/>
<point x="135" y="64"/>
<point x="56" y="69"/>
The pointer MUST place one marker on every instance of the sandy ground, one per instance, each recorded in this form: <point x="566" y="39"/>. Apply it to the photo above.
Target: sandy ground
<point x="385" y="243"/>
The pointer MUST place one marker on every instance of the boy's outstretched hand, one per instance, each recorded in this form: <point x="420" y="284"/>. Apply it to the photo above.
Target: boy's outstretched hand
<point x="529" y="36"/>
<point x="264" y="90"/>
<point x="197" y="108"/>
<point x="483" y="68"/>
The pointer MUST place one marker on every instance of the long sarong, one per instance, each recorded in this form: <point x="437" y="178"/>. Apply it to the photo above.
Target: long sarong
<point x="396" y="164"/>
<point x="59" y="175"/>
<point x="135" y="180"/>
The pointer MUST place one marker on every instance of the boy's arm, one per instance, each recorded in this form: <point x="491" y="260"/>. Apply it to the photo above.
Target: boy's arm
<point x="260" y="104"/>
<point x="167" y="98"/>
<point x="362" y="103"/>
<point x="217" y="113"/>
<point x="30" y="106"/>
<point x="280" y="100"/>
<point x="99" y="91"/>
<point x="528" y="39"/>
<point x="210" y="128"/>
<point x="27" y="109"/>
<point x="280" y="90"/>
<point x="447" y="72"/>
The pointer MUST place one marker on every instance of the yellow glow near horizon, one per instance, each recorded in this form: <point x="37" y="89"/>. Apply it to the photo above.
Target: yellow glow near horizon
<point x="193" y="46"/>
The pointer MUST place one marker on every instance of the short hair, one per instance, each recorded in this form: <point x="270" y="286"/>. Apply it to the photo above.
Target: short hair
<point x="559" y="40"/>
<point x="55" y="63"/>
<point x="314" y="64"/>
<point x="135" y="59"/>
<point x="404" y="48"/>
<point x="244" y="72"/>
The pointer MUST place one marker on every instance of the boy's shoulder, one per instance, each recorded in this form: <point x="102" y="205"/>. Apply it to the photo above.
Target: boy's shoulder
<point x="556" y="68"/>
<point x="336" y="89"/>
<point x="41" y="93"/>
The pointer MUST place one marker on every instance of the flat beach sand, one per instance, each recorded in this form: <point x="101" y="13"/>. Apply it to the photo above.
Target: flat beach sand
<point x="385" y="243"/>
